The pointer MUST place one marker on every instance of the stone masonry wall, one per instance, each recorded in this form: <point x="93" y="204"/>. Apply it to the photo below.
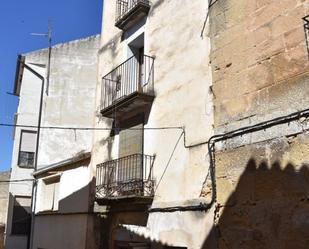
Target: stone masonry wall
<point x="263" y="195"/>
<point x="259" y="59"/>
<point x="260" y="68"/>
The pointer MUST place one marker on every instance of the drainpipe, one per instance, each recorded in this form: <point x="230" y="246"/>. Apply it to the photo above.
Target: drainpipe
<point x="22" y="65"/>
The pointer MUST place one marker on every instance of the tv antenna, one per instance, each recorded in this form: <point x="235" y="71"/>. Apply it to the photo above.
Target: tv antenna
<point x="48" y="35"/>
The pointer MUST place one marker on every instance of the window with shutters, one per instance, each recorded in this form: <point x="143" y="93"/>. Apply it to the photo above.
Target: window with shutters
<point x="130" y="144"/>
<point x="21" y="215"/>
<point x="50" y="193"/>
<point x="27" y="148"/>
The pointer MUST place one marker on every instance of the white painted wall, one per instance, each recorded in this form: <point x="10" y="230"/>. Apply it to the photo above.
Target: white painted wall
<point x="66" y="227"/>
<point x="71" y="100"/>
<point x="70" y="103"/>
<point x="27" y="112"/>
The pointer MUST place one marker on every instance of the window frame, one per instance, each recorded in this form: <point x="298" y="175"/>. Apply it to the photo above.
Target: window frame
<point x="51" y="180"/>
<point x="28" y="166"/>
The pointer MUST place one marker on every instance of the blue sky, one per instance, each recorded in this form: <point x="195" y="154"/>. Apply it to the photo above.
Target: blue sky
<point x="71" y="19"/>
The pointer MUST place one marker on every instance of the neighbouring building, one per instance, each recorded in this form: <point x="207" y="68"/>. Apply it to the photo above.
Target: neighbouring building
<point x="154" y="100"/>
<point x="260" y="72"/>
<point x="61" y="194"/>
<point x="4" y="201"/>
<point x="63" y="206"/>
<point x="27" y="87"/>
<point x="237" y="177"/>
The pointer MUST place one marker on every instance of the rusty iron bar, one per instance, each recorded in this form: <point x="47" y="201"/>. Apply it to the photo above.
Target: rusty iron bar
<point x="123" y="7"/>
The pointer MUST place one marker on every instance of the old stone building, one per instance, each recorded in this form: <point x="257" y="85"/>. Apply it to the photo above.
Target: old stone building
<point x="154" y="109"/>
<point x="260" y="65"/>
<point x="249" y="183"/>
<point x="183" y="126"/>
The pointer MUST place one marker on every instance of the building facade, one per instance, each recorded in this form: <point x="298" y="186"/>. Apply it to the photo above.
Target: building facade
<point x="62" y="194"/>
<point x="27" y="87"/>
<point x="238" y="178"/>
<point x="198" y="117"/>
<point x="155" y="104"/>
<point x="260" y="82"/>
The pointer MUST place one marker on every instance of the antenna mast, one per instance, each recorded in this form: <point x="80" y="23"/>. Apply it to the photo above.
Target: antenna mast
<point x="49" y="37"/>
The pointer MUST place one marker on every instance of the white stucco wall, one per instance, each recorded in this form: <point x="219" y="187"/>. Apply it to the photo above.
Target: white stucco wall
<point x="27" y="112"/>
<point x="73" y="190"/>
<point x="182" y="81"/>
<point x="70" y="102"/>
<point x="66" y="227"/>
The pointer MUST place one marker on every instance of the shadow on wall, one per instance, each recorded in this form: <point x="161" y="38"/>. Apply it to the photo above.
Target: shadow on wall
<point x="268" y="209"/>
<point x="2" y="229"/>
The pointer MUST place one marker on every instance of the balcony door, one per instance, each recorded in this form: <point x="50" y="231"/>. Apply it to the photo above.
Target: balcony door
<point x="136" y="49"/>
<point x="141" y="68"/>
<point x="130" y="168"/>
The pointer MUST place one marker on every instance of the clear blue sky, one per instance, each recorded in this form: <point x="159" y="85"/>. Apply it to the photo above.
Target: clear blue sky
<point x="71" y="19"/>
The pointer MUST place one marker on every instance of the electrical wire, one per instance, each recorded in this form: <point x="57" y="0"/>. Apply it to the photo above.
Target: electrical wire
<point x="88" y="128"/>
<point x="21" y="180"/>
<point x="210" y="4"/>
<point x="211" y="151"/>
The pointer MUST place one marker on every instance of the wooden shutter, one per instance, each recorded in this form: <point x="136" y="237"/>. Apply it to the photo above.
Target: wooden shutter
<point x="28" y="141"/>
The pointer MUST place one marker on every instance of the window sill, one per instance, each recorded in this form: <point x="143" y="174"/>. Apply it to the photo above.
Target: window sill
<point x="47" y="212"/>
<point x="25" y="167"/>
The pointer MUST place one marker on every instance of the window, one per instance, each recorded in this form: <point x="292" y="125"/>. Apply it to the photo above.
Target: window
<point x="50" y="193"/>
<point x="21" y="216"/>
<point x="27" y="148"/>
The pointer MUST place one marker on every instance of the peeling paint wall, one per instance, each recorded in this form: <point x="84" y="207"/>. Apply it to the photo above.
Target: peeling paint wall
<point x="182" y="80"/>
<point x="70" y="102"/>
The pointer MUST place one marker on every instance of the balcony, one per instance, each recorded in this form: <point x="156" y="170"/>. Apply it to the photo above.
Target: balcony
<point x="125" y="178"/>
<point x="128" y="88"/>
<point x="129" y="12"/>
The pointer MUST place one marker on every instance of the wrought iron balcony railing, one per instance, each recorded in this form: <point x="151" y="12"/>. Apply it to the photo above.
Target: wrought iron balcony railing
<point x="132" y="77"/>
<point x="130" y="11"/>
<point x="129" y="176"/>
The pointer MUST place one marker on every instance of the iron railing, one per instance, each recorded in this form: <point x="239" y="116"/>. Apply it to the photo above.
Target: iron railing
<point x="132" y="76"/>
<point x="125" y="6"/>
<point x="126" y="176"/>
